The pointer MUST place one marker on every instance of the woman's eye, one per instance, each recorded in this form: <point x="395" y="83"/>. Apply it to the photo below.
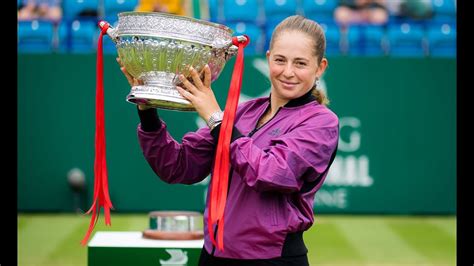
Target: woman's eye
<point x="301" y="63"/>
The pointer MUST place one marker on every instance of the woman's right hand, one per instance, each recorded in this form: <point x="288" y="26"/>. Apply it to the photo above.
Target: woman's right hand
<point x="132" y="81"/>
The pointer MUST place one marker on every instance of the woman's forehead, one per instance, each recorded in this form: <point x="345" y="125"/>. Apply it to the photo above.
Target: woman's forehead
<point x="293" y="37"/>
<point x="294" y="34"/>
<point x="295" y="43"/>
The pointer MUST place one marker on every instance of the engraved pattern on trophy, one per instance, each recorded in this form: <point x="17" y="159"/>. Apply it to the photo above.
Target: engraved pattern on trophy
<point x="157" y="47"/>
<point x="176" y="27"/>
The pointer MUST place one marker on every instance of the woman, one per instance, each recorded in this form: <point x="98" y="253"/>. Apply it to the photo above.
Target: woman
<point x="280" y="152"/>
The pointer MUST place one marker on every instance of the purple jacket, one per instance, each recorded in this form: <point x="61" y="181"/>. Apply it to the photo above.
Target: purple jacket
<point x="275" y="173"/>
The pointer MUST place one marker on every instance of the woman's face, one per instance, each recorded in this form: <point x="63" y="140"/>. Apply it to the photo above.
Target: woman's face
<point x="293" y="65"/>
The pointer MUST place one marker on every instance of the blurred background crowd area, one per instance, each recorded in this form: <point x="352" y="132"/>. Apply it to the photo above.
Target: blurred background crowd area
<point x="404" y="28"/>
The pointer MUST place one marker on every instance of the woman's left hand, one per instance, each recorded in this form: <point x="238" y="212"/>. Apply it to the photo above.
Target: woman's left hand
<point x="200" y="93"/>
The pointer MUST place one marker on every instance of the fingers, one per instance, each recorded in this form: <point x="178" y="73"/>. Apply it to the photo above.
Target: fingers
<point x="207" y="76"/>
<point x="131" y="80"/>
<point x="201" y="74"/>
<point x="188" y="85"/>
<point x="124" y="71"/>
<point x="137" y="82"/>
<point x="201" y="81"/>
<point x="196" y="78"/>
<point x="186" y="94"/>
<point x="129" y="77"/>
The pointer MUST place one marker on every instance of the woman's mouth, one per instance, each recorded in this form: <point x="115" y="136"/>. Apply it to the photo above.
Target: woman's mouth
<point x="288" y="85"/>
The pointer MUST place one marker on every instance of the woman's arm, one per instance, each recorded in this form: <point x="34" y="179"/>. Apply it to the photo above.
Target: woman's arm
<point x="187" y="163"/>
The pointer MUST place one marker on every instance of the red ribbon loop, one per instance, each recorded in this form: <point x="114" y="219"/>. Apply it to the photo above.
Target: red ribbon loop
<point x="236" y="42"/>
<point x="101" y="187"/>
<point x="220" y="175"/>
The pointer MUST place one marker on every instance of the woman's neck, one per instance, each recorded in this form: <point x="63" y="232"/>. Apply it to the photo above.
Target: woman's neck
<point x="276" y="103"/>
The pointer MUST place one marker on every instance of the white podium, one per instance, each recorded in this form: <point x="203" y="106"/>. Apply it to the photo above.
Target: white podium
<point x="130" y="248"/>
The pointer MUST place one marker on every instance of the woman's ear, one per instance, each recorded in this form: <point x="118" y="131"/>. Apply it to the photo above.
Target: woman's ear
<point x="322" y="67"/>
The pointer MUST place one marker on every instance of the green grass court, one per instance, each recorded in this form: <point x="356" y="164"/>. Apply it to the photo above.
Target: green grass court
<point x="53" y="239"/>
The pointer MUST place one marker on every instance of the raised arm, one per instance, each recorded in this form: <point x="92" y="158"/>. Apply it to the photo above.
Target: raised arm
<point x="187" y="162"/>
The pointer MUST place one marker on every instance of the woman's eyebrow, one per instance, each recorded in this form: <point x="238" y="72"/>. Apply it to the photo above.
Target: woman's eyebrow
<point x="297" y="58"/>
<point x="301" y="58"/>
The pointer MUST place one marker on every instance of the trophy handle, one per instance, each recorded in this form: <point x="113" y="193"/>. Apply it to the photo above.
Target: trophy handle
<point x="241" y="38"/>
<point x="232" y="49"/>
<point x="111" y="31"/>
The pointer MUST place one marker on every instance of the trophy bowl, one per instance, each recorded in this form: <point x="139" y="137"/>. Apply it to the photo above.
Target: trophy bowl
<point x="157" y="47"/>
<point x="174" y="225"/>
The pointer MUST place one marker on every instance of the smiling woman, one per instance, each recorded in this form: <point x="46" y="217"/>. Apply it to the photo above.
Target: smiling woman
<point x="280" y="151"/>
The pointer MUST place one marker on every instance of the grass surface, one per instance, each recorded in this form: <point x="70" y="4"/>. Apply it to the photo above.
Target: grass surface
<point x="53" y="239"/>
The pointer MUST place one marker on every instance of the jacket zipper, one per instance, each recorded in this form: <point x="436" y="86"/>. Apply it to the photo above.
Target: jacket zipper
<point x="257" y="128"/>
<point x="274" y="220"/>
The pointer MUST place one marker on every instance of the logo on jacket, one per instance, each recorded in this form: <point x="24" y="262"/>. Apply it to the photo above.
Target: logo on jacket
<point x="275" y="132"/>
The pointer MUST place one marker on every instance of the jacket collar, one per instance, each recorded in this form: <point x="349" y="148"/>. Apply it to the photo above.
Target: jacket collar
<point x="302" y="100"/>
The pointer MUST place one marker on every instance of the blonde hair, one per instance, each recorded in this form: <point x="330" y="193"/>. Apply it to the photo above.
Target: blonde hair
<point x="313" y="30"/>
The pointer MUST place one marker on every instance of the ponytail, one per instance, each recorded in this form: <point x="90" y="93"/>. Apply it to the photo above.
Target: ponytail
<point x="320" y="96"/>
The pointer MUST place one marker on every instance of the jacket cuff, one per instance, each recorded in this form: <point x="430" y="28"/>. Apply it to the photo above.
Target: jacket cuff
<point x="235" y="133"/>
<point x="149" y="120"/>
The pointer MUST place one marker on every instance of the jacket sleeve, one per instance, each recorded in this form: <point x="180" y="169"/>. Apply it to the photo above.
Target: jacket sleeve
<point x="187" y="163"/>
<point x="291" y="159"/>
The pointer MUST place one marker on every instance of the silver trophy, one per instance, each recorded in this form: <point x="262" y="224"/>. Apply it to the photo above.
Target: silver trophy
<point x="158" y="47"/>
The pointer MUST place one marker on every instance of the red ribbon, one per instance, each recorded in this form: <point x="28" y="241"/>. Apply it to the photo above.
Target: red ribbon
<point x="220" y="176"/>
<point x="101" y="187"/>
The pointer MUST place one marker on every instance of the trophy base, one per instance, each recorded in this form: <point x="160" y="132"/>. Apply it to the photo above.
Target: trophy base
<point x="159" y="97"/>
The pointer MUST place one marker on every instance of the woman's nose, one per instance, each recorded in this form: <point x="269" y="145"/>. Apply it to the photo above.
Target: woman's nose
<point x="288" y="71"/>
